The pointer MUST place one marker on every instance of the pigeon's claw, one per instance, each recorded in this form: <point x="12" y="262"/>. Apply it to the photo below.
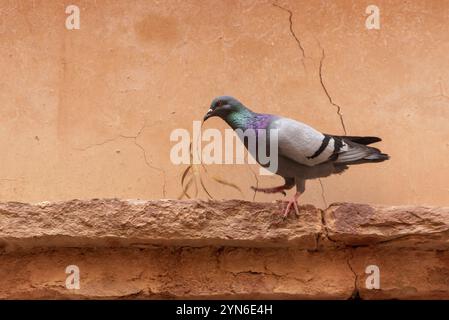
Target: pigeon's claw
<point x="279" y="189"/>
<point x="293" y="202"/>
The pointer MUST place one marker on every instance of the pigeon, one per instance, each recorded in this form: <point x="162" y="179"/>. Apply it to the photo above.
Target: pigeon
<point x="303" y="152"/>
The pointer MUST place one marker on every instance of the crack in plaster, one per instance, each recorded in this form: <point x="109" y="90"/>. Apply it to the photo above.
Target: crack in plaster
<point x="138" y="145"/>
<point x="355" y="293"/>
<point x="292" y="32"/>
<point x="338" y="107"/>
<point x="256" y="178"/>
<point x="323" y="195"/>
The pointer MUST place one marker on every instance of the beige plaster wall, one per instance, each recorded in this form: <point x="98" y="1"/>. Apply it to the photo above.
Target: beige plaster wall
<point x="88" y="113"/>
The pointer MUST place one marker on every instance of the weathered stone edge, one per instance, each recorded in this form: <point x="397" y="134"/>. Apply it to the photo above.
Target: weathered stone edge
<point x="235" y="223"/>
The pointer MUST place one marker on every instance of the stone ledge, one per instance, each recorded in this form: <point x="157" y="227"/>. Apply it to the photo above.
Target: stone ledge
<point x="418" y="227"/>
<point x="137" y="223"/>
<point x="129" y="249"/>
<point x="234" y="223"/>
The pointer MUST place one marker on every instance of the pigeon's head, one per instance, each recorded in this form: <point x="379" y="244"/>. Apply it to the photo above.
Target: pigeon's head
<point x="222" y="107"/>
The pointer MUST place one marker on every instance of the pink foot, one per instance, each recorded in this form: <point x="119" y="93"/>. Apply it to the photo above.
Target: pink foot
<point x="279" y="189"/>
<point x="293" y="202"/>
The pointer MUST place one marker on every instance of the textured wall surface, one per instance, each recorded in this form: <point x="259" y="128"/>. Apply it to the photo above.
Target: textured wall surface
<point x="87" y="113"/>
<point x="222" y="249"/>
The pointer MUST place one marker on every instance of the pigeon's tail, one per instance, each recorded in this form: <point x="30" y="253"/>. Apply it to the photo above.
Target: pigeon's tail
<point x="358" y="154"/>
<point x="361" y="140"/>
<point x="377" y="156"/>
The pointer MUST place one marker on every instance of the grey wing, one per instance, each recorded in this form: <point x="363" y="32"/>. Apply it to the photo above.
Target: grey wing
<point x="309" y="147"/>
<point x="302" y="143"/>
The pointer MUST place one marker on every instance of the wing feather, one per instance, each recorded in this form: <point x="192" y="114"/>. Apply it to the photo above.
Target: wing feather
<point x="307" y="146"/>
<point x="302" y="143"/>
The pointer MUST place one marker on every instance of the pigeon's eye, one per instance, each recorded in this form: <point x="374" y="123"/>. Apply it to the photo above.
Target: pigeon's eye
<point x="216" y="105"/>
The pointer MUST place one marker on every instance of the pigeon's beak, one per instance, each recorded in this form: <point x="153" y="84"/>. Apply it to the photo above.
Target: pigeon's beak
<point x="209" y="114"/>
